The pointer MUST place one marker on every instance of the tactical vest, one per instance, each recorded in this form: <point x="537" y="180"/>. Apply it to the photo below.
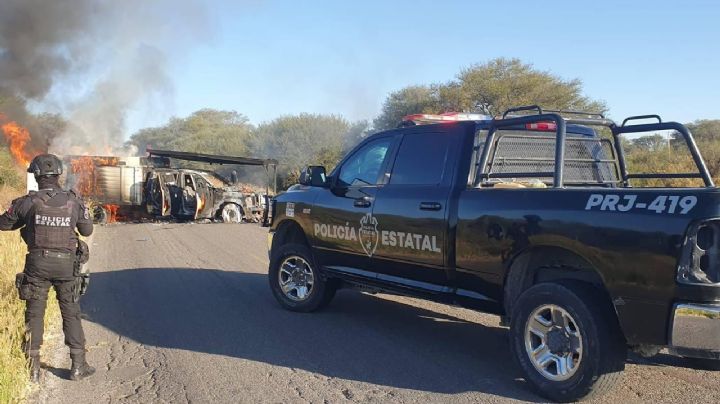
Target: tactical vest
<point x="53" y="226"/>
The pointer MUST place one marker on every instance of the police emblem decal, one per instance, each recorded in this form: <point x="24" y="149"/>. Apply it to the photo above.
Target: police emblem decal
<point x="369" y="234"/>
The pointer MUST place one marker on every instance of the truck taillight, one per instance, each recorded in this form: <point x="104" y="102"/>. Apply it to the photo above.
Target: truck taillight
<point x="542" y="126"/>
<point x="700" y="262"/>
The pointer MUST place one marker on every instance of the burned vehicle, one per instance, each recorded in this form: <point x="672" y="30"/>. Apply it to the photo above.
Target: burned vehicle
<point x="194" y="194"/>
<point x="198" y="194"/>
<point x="131" y="188"/>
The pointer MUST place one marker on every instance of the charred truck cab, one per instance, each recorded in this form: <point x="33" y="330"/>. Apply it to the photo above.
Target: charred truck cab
<point x="201" y="194"/>
<point x="197" y="194"/>
<point x="531" y="217"/>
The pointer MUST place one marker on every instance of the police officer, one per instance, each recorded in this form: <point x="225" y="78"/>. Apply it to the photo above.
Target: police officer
<point x="47" y="220"/>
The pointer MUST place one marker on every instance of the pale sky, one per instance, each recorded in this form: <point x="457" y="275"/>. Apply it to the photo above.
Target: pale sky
<point x="265" y="59"/>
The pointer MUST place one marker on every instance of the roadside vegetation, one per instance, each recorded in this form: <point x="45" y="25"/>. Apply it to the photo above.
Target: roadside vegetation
<point x="658" y="153"/>
<point x="13" y="365"/>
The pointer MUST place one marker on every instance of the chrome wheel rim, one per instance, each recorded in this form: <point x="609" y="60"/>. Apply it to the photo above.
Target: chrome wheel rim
<point x="553" y="342"/>
<point x="296" y="278"/>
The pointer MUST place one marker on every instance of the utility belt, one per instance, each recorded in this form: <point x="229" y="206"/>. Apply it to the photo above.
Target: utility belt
<point x="27" y="291"/>
<point x="52" y="254"/>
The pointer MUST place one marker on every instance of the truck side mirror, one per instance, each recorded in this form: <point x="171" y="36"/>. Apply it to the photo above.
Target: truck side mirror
<point x="313" y="176"/>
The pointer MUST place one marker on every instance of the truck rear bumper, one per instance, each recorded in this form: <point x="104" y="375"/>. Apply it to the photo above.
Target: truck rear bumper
<point x="696" y="327"/>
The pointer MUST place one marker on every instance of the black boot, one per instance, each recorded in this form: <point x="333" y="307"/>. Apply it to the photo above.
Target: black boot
<point x="80" y="368"/>
<point x="34" y="368"/>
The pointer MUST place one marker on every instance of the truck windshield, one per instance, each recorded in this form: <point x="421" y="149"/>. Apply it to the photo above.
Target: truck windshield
<point x="214" y="179"/>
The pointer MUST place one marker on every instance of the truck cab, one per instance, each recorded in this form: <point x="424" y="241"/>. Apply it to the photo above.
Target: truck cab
<point x="534" y="217"/>
<point x="195" y="194"/>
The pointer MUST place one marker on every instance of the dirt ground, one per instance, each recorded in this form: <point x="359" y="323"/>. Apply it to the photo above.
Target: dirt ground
<point x="183" y="313"/>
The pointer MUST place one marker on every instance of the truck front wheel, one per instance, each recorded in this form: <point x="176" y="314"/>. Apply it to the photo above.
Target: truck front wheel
<point x="567" y="341"/>
<point x="295" y="280"/>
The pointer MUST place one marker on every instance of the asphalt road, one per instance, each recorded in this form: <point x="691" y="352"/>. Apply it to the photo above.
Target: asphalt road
<point x="183" y="313"/>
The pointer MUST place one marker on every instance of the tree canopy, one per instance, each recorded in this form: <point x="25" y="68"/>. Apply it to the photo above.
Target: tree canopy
<point x="294" y="140"/>
<point x="205" y="131"/>
<point x="300" y="140"/>
<point x="488" y="88"/>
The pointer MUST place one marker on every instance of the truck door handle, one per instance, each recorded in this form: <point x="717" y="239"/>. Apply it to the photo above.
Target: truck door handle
<point x="430" y="206"/>
<point x="363" y="202"/>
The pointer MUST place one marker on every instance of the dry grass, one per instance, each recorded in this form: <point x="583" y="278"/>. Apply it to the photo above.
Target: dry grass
<point x="13" y="366"/>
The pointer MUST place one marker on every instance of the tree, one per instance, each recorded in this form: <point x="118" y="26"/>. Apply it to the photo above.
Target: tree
<point x="653" y="142"/>
<point x="500" y="84"/>
<point x="409" y="100"/>
<point x="205" y="131"/>
<point x="300" y="140"/>
<point x="707" y="134"/>
<point x="356" y="133"/>
<point x="489" y="88"/>
<point x="705" y="129"/>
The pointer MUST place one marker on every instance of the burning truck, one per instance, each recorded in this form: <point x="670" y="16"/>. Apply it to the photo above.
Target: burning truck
<point x="135" y="187"/>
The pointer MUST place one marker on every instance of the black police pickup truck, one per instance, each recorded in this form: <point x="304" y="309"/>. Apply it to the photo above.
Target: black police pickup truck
<point x="532" y="217"/>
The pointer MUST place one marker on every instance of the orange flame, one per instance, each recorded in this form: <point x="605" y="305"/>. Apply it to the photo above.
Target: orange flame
<point x="17" y="138"/>
<point x="83" y="169"/>
<point x="112" y="211"/>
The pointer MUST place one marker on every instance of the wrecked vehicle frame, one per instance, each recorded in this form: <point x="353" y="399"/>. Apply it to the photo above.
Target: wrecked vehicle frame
<point x="196" y="194"/>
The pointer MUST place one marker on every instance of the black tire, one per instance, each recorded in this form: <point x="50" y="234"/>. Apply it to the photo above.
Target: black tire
<point x="319" y="295"/>
<point x="100" y="215"/>
<point x="702" y="363"/>
<point x="598" y="367"/>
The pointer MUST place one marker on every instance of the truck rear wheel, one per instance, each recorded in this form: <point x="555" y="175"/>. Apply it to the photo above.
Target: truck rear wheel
<point x="295" y="280"/>
<point x="567" y="341"/>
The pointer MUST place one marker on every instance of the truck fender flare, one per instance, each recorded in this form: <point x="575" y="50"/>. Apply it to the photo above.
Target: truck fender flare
<point x="546" y="263"/>
<point x="289" y="231"/>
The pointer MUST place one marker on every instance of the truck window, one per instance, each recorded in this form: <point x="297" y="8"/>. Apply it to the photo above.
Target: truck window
<point x="363" y="167"/>
<point x="421" y="159"/>
<point x="169" y="178"/>
<point x="528" y="156"/>
<point x="189" y="182"/>
<point x="214" y="180"/>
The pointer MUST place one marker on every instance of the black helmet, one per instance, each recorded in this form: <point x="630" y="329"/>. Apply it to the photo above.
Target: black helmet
<point x="45" y="164"/>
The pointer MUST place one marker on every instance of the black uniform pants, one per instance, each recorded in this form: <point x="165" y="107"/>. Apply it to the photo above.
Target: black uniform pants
<point x="39" y="275"/>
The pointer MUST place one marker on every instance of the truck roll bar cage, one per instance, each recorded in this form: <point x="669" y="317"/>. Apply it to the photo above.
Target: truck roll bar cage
<point x="557" y="175"/>
<point x="593" y="119"/>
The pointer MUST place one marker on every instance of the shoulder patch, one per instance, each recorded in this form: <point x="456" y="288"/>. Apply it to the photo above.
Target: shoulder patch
<point x="15" y="204"/>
